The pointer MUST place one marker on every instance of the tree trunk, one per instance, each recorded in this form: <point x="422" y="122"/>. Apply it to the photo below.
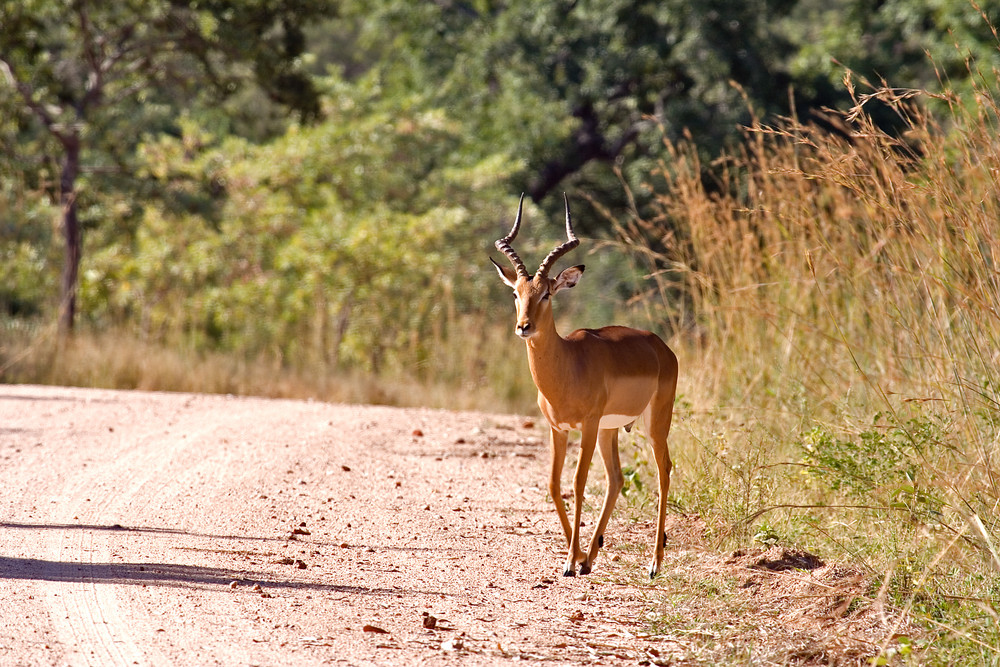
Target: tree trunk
<point x="71" y="235"/>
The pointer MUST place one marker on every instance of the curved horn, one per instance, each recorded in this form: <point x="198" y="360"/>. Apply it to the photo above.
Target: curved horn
<point x="559" y="251"/>
<point x="503" y="245"/>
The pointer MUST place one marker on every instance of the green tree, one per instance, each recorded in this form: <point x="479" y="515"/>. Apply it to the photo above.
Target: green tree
<point x="353" y="243"/>
<point x="85" y="70"/>
<point x="923" y="44"/>
<point x="573" y="87"/>
<point x="573" y="84"/>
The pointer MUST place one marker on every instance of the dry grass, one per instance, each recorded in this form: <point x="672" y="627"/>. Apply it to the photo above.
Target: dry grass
<point x="118" y="360"/>
<point x="760" y="605"/>
<point x="838" y="302"/>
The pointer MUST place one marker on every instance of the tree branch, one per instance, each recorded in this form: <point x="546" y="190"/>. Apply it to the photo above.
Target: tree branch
<point x="27" y="93"/>
<point x="587" y="143"/>
<point x="95" y="79"/>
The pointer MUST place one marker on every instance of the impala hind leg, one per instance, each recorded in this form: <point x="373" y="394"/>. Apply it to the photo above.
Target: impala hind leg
<point x="659" y="429"/>
<point x="607" y="441"/>
<point x="663" y="466"/>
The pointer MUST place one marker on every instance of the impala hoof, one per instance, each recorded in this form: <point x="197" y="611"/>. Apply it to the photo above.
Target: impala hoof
<point x="568" y="571"/>
<point x="584" y="568"/>
<point x="654" y="570"/>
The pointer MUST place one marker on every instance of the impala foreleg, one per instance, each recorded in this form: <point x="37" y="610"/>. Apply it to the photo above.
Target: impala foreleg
<point x="588" y="440"/>
<point x="607" y="440"/>
<point x="557" y="445"/>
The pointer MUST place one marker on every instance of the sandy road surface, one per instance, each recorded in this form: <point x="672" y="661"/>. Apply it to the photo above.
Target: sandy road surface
<point x="174" y="529"/>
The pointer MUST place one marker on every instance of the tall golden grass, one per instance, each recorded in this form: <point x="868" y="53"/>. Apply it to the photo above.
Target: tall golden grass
<point x="837" y="302"/>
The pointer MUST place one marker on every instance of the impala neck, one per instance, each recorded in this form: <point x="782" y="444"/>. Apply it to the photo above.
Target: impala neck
<point x="548" y="358"/>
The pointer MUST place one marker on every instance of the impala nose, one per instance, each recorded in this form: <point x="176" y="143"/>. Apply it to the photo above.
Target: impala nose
<point x="523" y="330"/>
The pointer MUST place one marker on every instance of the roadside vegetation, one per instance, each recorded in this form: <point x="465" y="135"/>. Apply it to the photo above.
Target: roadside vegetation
<point x="837" y="297"/>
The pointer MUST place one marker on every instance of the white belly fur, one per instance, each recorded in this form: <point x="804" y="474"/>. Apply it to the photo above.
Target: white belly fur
<point x="607" y="421"/>
<point x="617" y="421"/>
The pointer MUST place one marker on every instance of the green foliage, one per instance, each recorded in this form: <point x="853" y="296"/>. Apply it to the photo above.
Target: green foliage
<point x="21" y="293"/>
<point x="347" y="244"/>
<point x="899" y="40"/>
<point x="557" y="95"/>
<point x="633" y="475"/>
<point x="147" y="55"/>
<point x="916" y="44"/>
<point x="766" y="535"/>
<point x="889" y="465"/>
<point x="571" y="87"/>
<point x="95" y="77"/>
<point x="577" y="89"/>
<point x="27" y="278"/>
<point x="92" y="74"/>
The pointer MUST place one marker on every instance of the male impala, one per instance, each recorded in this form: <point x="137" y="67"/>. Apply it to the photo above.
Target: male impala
<point x="594" y="380"/>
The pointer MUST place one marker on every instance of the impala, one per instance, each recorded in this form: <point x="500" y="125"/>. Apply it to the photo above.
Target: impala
<point x="595" y="381"/>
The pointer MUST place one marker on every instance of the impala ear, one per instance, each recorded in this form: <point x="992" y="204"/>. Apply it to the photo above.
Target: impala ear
<point x="567" y="278"/>
<point x="507" y="274"/>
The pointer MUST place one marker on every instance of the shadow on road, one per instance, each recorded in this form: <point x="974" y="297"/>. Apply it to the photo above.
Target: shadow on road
<point x="161" y="574"/>
<point x="130" y="529"/>
<point x="67" y="398"/>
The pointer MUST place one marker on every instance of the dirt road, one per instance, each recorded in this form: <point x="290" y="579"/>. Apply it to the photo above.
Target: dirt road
<point x="172" y="529"/>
